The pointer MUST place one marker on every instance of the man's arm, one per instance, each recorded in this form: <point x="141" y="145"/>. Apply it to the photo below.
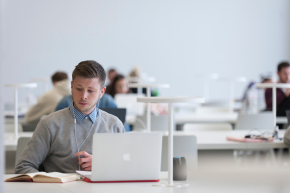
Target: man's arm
<point x="107" y="101"/>
<point x="64" y="103"/>
<point x="35" y="151"/>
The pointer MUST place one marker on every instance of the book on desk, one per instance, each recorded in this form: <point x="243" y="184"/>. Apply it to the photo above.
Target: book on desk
<point x="52" y="177"/>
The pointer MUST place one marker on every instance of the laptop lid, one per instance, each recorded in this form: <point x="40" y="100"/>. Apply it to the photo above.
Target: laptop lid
<point x="126" y="156"/>
<point x="118" y="112"/>
<point x="261" y="121"/>
<point x="129" y="101"/>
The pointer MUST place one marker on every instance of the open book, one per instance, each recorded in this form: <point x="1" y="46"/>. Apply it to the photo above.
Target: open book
<point x="53" y="177"/>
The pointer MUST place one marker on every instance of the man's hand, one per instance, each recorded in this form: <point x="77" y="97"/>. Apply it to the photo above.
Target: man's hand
<point x="86" y="162"/>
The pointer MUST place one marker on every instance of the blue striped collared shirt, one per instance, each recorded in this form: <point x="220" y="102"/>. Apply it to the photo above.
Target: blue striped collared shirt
<point x="80" y="116"/>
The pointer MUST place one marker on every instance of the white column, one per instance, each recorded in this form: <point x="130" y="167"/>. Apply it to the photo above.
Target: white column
<point x="206" y="89"/>
<point x="148" y="111"/>
<point x="139" y="90"/>
<point x="16" y="112"/>
<point x="170" y="144"/>
<point x="44" y="87"/>
<point x="274" y="105"/>
<point x="231" y="95"/>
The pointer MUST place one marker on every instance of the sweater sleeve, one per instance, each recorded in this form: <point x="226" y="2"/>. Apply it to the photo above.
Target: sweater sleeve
<point x="35" y="151"/>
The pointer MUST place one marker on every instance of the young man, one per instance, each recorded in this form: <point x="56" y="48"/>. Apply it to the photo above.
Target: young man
<point x="63" y="136"/>
<point x="283" y="99"/>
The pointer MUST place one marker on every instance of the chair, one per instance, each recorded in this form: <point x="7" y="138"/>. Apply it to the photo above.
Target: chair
<point x="22" y="142"/>
<point x="183" y="146"/>
<point x="29" y="127"/>
<point x="118" y="112"/>
<point x="262" y="121"/>
<point x="207" y="127"/>
<point x="158" y="123"/>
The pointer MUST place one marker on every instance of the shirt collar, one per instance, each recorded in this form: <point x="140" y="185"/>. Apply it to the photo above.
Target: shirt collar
<point x="80" y="116"/>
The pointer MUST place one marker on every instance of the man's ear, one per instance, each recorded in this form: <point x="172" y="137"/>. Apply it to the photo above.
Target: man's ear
<point x="103" y="90"/>
<point x="71" y="85"/>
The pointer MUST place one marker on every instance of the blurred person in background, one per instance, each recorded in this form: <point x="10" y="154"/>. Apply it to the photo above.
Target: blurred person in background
<point x="112" y="73"/>
<point x="136" y="74"/>
<point x="265" y="78"/>
<point x="282" y="97"/>
<point x="46" y="103"/>
<point x="119" y="86"/>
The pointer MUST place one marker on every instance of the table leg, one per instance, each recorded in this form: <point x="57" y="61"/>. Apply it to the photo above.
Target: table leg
<point x="231" y="96"/>
<point x="274" y="106"/>
<point x="148" y="111"/>
<point x="170" y="144"/>
<point x="16" y="113"/>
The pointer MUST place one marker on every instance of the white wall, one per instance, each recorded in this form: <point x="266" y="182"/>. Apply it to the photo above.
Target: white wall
<point x="171" y="40"/>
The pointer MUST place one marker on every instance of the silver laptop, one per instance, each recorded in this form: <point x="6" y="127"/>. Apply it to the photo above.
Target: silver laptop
<point x="129" y="101"/>
<point x="125" y="157"/>
<point x="262" y="121"/>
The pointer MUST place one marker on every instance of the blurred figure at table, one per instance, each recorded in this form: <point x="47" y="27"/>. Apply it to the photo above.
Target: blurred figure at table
<point x="282" y="97"/>
<point x="252" y="93"/>
<point x="136" y="77"/>
<point x="119" y="86"/>
<point x="112" y="73"/>
<point x="46" y="103"/>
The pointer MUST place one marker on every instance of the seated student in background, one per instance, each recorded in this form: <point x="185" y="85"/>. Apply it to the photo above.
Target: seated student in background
<point x="105" y="102"/>
<point x="63" y="136"/>
<point x="136" y="73"/>
<point x="112" y="73"/>
<point x="283" y="99"/>
<point x="47" y="102"/>
<point x="119" y="86"/>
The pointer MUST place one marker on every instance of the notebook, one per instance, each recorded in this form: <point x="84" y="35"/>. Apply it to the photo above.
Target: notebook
<point x="125" y="157"/>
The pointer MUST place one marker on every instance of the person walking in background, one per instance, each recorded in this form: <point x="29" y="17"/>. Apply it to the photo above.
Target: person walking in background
<point x="112" y="73"/>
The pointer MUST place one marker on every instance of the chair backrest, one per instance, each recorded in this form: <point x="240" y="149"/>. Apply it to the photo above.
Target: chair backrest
<point x="261" y="121"/>
<point x="288" y="117"/>
<point x="183" y="146"/>
<point x="158" y="123"/>
<point x="129" y="101"/>
<point x="22" y="142"/>
<point x="28" y="127"/>
<point x="207" y="127"/>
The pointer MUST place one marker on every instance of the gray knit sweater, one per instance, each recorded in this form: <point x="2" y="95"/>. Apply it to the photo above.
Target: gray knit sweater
<point x="53" y="141"/>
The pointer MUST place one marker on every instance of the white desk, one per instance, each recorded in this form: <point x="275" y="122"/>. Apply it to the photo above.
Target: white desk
<point x="216" y="140"/>
<point x="217" y="181"/>
<point x="206" y="140"/>
<point x="182" y="118"/>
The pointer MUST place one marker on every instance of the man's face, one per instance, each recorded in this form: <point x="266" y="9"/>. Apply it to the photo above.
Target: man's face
<point x="85" y="93"/>
<point x="284" y="75"/>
